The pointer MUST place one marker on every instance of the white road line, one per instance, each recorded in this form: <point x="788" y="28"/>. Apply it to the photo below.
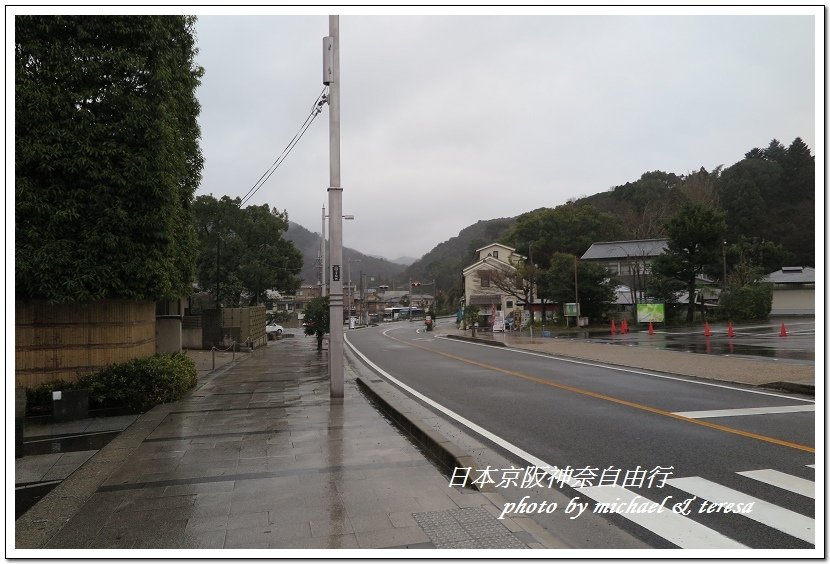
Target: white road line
<point x="745" y="411"/>
<point x="789" y="522"/>
<point x="684" y="533"/>
<point x="784" y="481"/>
<point x="629" y="370"/>
<point x="811" y="466"/>
<point x="673" y="527"/>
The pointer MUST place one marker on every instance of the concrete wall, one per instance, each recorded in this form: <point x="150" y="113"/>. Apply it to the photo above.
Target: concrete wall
<point x="168" y="334"/>
<point x="797" y="301"/>
<point x="61" y="341"/>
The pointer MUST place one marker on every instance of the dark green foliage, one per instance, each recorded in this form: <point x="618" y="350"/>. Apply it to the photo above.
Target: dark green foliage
<point x="246" y="249"/>
<point x="137" y="385"/>
<point x="595" y="285"/>
<point x="569" y="228"/>
<point x="107" y="156"/>
<point x="751" y="302"/>
<point x="695" y="245"/>
<point x="771" y="196"/>
<point x="39" y="399"/>
<point x="316" y="319"/>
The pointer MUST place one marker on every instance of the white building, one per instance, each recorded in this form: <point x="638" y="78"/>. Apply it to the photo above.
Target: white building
<point x="476" y="280"/>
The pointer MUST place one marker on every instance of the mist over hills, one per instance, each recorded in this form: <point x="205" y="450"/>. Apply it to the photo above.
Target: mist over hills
<point x="308" y="243"/>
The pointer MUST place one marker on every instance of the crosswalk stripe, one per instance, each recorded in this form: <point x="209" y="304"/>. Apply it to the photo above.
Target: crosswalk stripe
<point x="790" y="522"/>
<point x="674" y="527"/>
<point x="745" y="411"/>
<point x="783" y="481"/>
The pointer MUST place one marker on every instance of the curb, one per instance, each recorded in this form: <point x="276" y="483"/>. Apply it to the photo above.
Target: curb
<point x="476" y="340"/>
<point x="792" y="387"/>
<point x="444" y="451"/>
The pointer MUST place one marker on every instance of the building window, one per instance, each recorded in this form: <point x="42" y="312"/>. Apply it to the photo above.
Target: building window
<point x="495" y="254"/>
<point x="509" y="304"/>
<point x="485" y="279"/>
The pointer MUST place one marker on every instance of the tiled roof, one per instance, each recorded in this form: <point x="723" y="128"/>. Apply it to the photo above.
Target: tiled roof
<point x="625" y="249"/>
<point x="792" y="275"/>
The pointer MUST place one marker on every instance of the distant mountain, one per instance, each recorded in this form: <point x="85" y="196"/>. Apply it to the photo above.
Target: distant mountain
<point x="308" y="243"/>
<point x="444" y="263"/>
<point x="406" y="261"/>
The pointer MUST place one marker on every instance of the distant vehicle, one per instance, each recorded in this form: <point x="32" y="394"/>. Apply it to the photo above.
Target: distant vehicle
<point x="273" y="328"/>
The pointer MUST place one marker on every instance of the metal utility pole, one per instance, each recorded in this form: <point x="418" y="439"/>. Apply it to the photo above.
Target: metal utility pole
<point x="331" y="77"/>
<point x="324" y="275"/>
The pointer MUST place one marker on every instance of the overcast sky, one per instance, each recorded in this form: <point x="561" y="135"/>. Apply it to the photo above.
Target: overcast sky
<point x="450" y="119"/>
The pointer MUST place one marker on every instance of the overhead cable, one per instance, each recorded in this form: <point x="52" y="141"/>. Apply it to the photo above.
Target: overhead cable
<point x="315" y="111"/>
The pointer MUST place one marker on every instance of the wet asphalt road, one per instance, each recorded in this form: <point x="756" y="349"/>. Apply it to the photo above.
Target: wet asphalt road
<point x="586" y="416"/>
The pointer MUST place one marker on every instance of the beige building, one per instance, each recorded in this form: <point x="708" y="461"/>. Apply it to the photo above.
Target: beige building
<point x="793" y="290"/>
<point x="477" y="281"/>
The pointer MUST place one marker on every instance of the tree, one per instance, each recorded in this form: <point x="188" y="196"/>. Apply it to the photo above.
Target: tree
<point x="596" y="285"/>
<point x="695" y="244"/>
<point x="107" y="156"/>
<point x="569" y="228"/>
<point x="515" y="281"/>
<point x="242" y="251"/>
<point x="316" y="319"/>
<point x="471" y="313"/>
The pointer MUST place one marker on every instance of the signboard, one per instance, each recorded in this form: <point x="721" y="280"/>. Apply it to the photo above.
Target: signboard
<point x="498" y="321"/>
<point x="571" y="310"/>
<point x="655" y="313"/>
<point x="335" y="273"/>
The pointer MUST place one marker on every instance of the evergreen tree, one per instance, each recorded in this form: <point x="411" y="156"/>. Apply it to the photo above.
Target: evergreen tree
<point x="695" y="244"/>
<point x="107" y="156"/>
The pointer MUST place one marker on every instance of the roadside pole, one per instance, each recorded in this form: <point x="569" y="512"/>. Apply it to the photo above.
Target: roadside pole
<point x="331" y="76"/>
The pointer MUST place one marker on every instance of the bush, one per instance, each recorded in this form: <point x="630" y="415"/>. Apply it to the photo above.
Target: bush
<point x="751" y="302"/>
<point x="137" y="385"/>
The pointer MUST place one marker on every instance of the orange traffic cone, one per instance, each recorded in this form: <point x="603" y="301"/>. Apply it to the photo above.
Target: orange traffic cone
<point x="783" y="330"/>
<point x="650" y="328"/>
<point x="730" y="332"/>
<point x="624" y="328"/>
<point x="706" y="331"/>
<point x="613" y="327"/>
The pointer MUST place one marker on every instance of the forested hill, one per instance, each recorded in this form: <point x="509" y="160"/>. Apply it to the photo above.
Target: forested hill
<point x="308" y="243"/>
<point x="768" y="199"/>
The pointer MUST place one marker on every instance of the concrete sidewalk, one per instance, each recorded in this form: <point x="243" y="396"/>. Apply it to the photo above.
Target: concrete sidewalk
<point x="259" y="457"/>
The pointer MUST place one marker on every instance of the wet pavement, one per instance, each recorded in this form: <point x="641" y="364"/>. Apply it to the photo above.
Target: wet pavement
<point x="757" y="355"/>
<point x="762" y="340"/>
<point x="259" y="457"/>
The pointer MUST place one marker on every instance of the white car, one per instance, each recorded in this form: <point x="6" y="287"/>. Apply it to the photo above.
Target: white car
<point x="273" y="328"/>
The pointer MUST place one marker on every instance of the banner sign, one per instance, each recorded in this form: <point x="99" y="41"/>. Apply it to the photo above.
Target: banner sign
<point x="651" y="313"/>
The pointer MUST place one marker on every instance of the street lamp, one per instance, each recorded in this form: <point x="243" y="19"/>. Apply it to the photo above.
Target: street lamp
<point x="351" y="290"/>
<point x="323" y="272"/>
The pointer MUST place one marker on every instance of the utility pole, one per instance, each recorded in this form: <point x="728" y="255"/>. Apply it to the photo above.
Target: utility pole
<point x="331" y="76"/>
<point x="324" y="275"/>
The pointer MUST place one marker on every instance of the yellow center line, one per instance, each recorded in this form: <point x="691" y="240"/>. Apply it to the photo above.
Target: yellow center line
<point x="612" y="399"/>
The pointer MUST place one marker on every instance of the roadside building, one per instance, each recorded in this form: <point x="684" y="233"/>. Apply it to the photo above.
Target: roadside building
<point x="793" y="290"/>
<point x="483" y="282"/>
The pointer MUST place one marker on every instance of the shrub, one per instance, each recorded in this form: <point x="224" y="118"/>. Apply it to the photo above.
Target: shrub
<point x="747" y="303"/>
<point x="137" y="385"/>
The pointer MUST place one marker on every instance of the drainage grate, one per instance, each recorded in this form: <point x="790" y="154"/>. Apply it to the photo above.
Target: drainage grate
<point x="470" y="527"/>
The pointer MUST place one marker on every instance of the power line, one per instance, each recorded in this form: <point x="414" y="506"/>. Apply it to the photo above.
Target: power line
<point x="315" y="111"/>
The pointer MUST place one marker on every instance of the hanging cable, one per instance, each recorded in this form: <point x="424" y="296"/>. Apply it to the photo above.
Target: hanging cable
<point x="316" y="109"/>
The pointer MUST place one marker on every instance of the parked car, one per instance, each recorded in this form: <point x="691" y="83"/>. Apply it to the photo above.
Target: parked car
<point x="273" y="328"/>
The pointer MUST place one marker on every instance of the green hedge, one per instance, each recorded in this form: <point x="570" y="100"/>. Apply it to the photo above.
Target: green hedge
<point x="747" y="303"/>
<point x="137" y="385"/>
